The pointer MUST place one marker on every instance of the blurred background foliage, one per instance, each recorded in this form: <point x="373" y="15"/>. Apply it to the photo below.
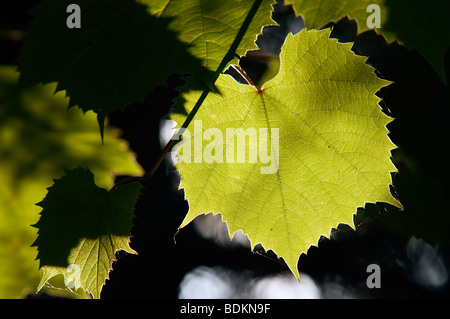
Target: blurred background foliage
<point x="39" y="138"/>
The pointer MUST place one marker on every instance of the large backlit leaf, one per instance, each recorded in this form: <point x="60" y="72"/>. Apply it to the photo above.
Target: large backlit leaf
<point x="333" y="151"/>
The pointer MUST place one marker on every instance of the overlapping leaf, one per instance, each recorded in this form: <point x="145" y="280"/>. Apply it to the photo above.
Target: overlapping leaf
<point x="331" y="153"/>
<point x="211" y="28"/>
<point x="82" y="226"/>
<point x="419" y="24"/>
<point x="126" y="48"/>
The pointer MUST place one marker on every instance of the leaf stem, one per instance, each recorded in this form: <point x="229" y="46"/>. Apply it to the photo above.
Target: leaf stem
<point x="128" y="180"/>
<point x="245" y="76"/>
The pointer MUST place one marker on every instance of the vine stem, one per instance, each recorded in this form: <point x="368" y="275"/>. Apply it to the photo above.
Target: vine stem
<point x="128" y="180"/>
<point x="230" y="55"/>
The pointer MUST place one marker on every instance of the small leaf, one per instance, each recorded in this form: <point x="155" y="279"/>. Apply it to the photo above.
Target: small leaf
<point x="82" y="226"/>
<point x="329" y="153"/>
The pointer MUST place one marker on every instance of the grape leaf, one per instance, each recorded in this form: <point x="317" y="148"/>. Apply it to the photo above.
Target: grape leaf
<point x="82" y="226"/>
<point x="39" y="137"/>
<point x="318" y="13"/>
<point x="210" y="30"/>
<point x="331" y="155"/>
<point x="419" y="24"/>
<point x="124" y="49"/>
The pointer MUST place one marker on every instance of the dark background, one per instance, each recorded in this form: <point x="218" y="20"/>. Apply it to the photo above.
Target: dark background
<point x="410" y="246"/>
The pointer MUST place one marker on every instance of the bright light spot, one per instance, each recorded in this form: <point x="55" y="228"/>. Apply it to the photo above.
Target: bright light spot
<point x="286" y="286"/>
<point x="428" y="265"/>
<point x="221" y="283"/>
<point x="207" y="283"/>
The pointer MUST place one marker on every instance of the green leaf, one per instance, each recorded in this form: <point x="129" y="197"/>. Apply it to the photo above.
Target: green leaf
<point x="318" y="13"/>
<point x="418" y="24"/>
<point x="331" y="153"/>
<point x="82" y="226"/>
<point x="39" y="137"/>
<point x="211" y="29"/>
<point x="124" y="49"/>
